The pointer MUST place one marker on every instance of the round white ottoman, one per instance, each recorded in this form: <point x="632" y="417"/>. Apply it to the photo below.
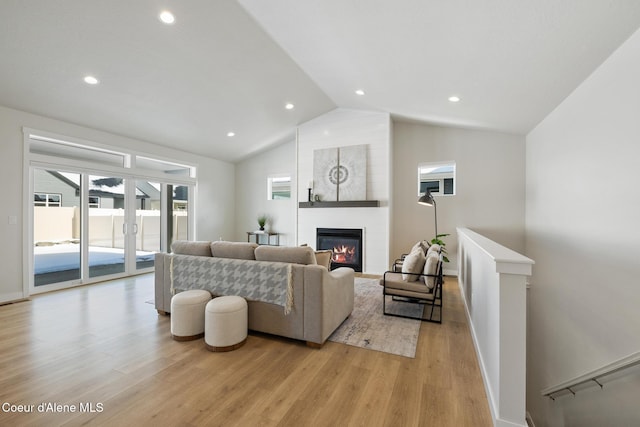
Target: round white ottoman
<point x="226" y="322"/>
<point x="187" y="314"/>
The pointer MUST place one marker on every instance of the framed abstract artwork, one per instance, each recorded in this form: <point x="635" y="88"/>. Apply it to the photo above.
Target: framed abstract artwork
<point x="340" y="174"/>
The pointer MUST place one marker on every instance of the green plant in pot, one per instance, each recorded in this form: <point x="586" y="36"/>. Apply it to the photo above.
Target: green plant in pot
<point x="262" y="221"/>
<point x="438" y="241"/>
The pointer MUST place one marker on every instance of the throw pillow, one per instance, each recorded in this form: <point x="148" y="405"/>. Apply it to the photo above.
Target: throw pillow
<point x="323" y="258"/>
<point x="422" y="244"/>
<point x="433" y="248"/>
<point x="431" y="268"/>
<point x="413" y="263"/>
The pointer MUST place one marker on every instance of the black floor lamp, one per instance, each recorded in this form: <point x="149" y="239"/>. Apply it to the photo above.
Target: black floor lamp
<point x="428" y="200"/>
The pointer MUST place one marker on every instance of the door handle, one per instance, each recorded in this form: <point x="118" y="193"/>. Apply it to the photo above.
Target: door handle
<point x="125" y="228"/>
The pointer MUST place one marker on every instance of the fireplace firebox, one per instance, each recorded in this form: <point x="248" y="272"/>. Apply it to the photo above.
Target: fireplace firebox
<point x="346" y="244"/>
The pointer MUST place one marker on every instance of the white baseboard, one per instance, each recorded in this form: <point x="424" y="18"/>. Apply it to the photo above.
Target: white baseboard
<point x="12" y="297"/>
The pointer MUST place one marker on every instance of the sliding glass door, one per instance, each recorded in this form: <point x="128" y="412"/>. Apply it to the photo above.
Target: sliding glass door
<point x="107" y="225"/>
<point x="98" y="212"/>
<point x="56" y="227"/>
<point x="149" y="219"/>
<point x="92" y="226"/>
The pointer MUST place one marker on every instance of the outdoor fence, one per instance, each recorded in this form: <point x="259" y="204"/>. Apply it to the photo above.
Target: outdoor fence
<point x="62" y="224"/>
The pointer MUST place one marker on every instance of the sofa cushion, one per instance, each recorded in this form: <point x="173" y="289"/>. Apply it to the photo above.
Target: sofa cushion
<point x="413" y="263"/>
<point x="323" y="258"/>
<point x="294" y="255"/>
<point x="431" y="268"/>
<point x="186" y="247"/>
<point x="235" y="250"/>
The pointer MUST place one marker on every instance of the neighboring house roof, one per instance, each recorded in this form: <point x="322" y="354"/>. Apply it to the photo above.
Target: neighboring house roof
<point x="105" y="187"/>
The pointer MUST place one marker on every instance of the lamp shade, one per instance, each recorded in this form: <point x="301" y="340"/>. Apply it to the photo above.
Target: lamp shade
<point x="427" y="199"/>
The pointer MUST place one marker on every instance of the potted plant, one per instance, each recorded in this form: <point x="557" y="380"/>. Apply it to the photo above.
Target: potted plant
<point x="262" y="221"/>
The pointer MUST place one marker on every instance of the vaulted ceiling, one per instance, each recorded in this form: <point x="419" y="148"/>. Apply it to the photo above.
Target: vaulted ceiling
<point x="231" y="66"/>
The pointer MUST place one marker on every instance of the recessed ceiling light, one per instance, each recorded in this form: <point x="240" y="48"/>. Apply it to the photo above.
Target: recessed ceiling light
<point x="289" y="106"/>
<point x="167" y="17"/>
<point x="454" y="99"/>
<point x="91" y="80"/>
<point x="359" y="92"/>
<point x="230" y="134"/>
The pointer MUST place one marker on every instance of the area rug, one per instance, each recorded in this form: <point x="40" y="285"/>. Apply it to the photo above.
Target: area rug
<point x="368" y="328"/>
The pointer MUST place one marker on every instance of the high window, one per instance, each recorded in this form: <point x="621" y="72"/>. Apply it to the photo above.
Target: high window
<point x="438" y="178"/>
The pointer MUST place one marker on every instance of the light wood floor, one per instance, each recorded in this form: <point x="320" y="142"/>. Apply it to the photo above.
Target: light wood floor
<point x="103" y="345"/>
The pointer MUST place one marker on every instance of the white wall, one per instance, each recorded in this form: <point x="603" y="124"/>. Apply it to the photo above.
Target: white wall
<point x="490" y="183"/>
<point x="341" y="128"/>
<point x="251" y="197"/>
<point x="214" y="192"/>
<point x="583" y="206"/>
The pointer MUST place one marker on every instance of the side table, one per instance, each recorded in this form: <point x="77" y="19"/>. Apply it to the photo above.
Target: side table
<point x="269" y="235"/>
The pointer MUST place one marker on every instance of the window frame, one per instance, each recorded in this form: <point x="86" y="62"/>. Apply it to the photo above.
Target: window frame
<point x="426" y="168"/>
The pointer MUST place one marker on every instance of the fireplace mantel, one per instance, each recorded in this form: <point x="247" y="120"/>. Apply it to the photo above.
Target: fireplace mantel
<point x="341" y="204"/>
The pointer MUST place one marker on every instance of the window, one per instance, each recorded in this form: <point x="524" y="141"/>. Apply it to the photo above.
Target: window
<point x="278" y="187"/>
<point x="438" y="178"/>
<point x="166" y="167"/>
<point x="40" y="144"/>
<point x="48" y="200"/>
<point x="114" y="209"/>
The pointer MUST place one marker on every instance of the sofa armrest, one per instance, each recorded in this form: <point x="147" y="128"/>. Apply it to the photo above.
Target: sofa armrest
<point x="328" y="301"/>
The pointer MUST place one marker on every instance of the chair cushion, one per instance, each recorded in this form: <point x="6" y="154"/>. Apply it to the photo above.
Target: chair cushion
<point x="431" y="268"/>
<point x="186" y="247"/>
<point x="413" y="263"/>
<point x="396" y="285"/>
<point x="234" y="250"/>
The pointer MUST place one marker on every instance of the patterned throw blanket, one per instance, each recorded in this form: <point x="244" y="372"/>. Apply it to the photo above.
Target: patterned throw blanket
<point x="253" y="280"/>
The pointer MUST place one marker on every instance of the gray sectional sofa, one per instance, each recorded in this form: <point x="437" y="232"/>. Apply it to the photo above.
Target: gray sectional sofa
<point x="316" y="301"/>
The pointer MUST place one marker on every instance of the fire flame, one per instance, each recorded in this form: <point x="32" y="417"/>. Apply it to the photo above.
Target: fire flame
<point x="344" y="254"/>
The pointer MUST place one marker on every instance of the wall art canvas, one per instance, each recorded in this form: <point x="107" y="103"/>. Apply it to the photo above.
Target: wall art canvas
<point x="352" y="173"/>
<point x="340" y="173"/>
<point x="324" y="162"/>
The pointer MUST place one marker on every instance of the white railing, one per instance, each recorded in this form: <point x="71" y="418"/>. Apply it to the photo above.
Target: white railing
<point x="593" y="376"/>
<point x="493" y="279"/>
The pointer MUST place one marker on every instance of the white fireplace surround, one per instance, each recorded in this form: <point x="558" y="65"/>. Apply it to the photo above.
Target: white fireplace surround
<point x="341" y="128"/>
